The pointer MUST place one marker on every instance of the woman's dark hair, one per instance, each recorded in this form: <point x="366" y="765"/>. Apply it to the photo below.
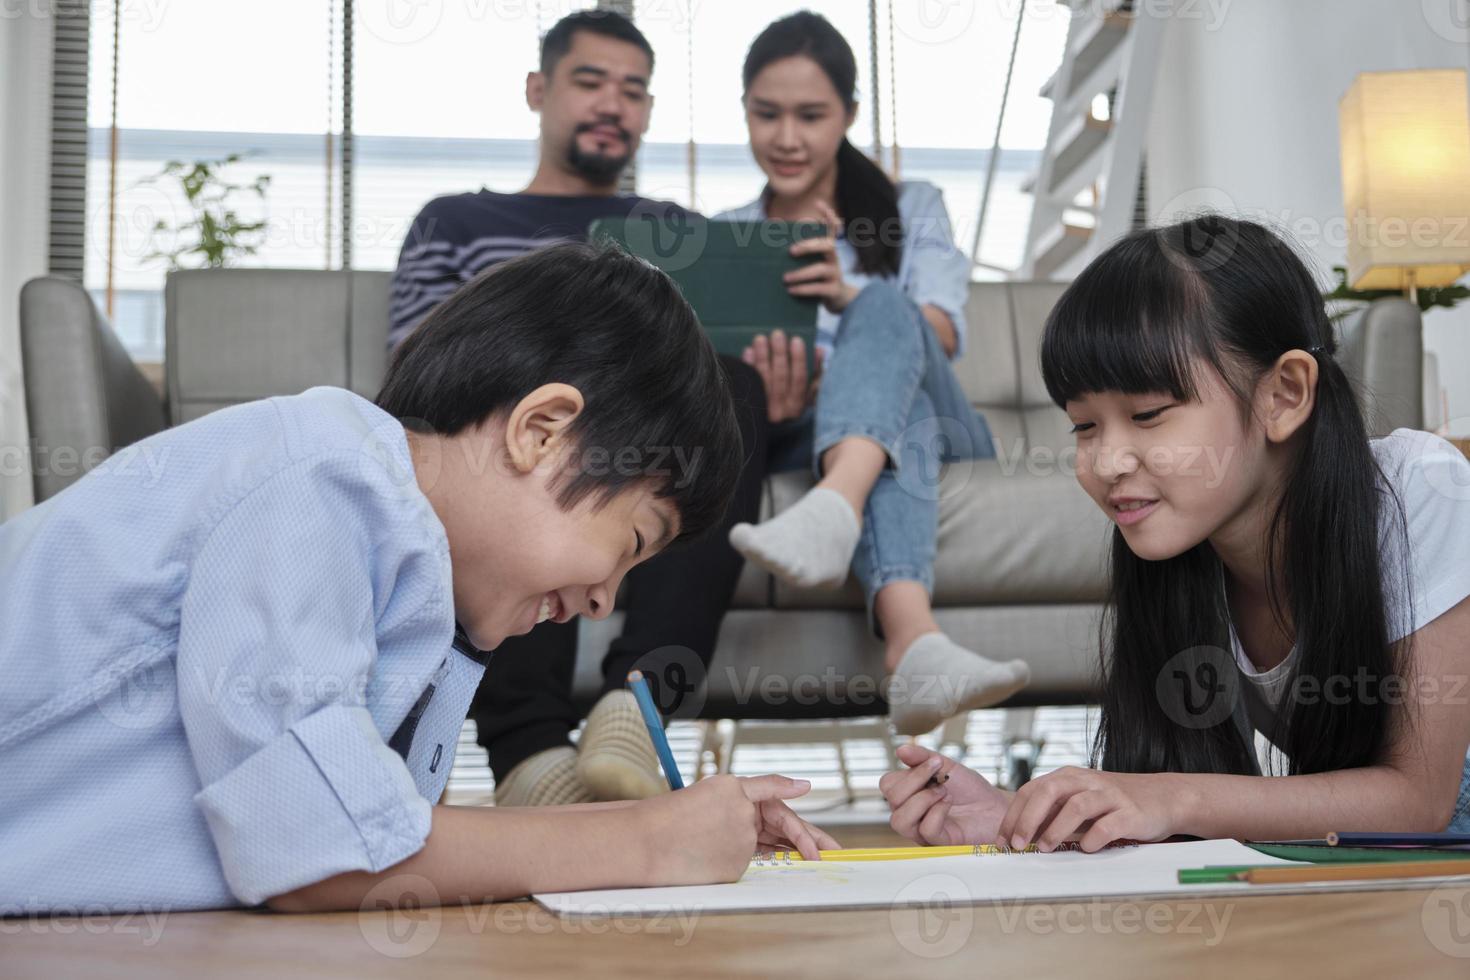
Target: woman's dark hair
<point x="866" y="198"/>
<point x="608" y="23"/>
<point x="1142" y="318"/>
<point x="657" y="408"/>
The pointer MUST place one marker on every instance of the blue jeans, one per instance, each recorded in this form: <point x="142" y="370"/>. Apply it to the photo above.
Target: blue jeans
<point x="889" y="380"/>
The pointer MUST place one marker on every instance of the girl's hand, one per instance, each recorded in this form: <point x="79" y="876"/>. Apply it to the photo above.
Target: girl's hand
<point x="964" y="809"/>
<point x="710" y="831"/>
<point x="1094" y="807"/>
<point x="781" y="363"/>
<point x="822" y="278"/>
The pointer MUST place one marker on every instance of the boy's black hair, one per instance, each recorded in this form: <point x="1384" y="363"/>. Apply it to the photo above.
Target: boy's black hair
<point x="558" y="41"/>
<point x="657" y="408"/>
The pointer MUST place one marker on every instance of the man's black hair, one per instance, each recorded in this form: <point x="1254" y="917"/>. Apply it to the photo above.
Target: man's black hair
<point x="608" y="23"/>
<point x="657" y="408"/>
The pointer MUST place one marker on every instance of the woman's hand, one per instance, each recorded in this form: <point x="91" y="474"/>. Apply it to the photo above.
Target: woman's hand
<point x="822" y="278"/>
<point x="963" y="809"/>
<point x="781" y="363"/>
<point x="710" y="831"/>
<point x="1093" y="807"/>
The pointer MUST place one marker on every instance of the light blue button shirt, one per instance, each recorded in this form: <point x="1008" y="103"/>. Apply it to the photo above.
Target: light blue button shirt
<point x="931" y="270"/>
<point x="208" y="644"/>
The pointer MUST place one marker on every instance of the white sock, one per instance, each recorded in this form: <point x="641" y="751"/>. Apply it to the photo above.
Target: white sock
<point x="809" y="543"/>
<point x="937" y="678"/>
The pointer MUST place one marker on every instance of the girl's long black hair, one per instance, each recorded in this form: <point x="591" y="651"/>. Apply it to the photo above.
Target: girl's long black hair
<point x="866" y="198"/>
<point x="1141" y="318"/>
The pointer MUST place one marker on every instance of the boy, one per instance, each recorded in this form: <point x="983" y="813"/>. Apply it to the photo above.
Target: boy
<point x="243" y="682"/>
<point x="591" y="95"/>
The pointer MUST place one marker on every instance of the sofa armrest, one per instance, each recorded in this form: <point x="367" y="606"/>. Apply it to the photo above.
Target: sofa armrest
<point x="85" y="398"/>
<point x="1382" y="349"/>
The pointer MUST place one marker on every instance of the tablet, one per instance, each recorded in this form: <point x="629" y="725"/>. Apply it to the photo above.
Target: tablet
<point x="729" y="271"/>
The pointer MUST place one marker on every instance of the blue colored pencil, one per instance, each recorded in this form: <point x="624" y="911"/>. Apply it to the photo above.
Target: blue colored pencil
<point x="655" y="724"/>
<point x="1398" y="840"/>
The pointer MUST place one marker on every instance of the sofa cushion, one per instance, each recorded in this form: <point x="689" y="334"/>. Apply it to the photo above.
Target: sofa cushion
<point x="1009" y="532"/>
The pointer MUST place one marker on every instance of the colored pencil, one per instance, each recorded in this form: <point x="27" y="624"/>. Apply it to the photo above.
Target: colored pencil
<point x="909" y="853"/>
<point x="655" y="724"/>
<point x="1353" y="872"/>
<point x="1396" y="840"/>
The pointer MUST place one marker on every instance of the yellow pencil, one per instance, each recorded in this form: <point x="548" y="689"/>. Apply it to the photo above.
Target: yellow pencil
<point x="893" y="853"/>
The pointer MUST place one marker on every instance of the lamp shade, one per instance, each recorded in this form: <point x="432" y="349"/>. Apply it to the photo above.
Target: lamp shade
<point x="1406" y="178"/>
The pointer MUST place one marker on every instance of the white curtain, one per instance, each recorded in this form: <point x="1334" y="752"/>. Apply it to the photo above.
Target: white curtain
<point x="25" y="119"/>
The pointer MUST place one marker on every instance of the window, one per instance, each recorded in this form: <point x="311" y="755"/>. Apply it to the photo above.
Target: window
<point x="438" y="108"/>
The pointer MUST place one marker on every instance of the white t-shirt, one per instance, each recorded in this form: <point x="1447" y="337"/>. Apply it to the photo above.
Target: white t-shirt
<point x="1432" y="480"/>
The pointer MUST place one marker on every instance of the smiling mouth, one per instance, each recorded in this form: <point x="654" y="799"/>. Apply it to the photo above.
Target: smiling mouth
<point x="1133" y="511"/>
<point x="550" y="608"/>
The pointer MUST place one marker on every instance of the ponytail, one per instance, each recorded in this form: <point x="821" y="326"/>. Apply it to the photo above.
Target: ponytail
<point x="868" y="203"/>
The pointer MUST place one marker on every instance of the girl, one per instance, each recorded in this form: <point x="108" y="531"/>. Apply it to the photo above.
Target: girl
<point x="1331" y="568"/>
<point x="892" y="287"/>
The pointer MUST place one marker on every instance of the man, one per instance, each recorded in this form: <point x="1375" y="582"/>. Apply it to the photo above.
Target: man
<point x="592" y="94"/>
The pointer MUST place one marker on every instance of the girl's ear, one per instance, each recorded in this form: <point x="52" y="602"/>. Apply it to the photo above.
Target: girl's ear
<point x="536" y="428"/>
<point x="1287" y="394"/>
<point x="851" y="116"/>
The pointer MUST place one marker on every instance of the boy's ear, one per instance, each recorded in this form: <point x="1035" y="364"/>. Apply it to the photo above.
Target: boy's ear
<point x="537" y="426"/>
<point x="535" y="90"/>
<point x="1288" y="394"/>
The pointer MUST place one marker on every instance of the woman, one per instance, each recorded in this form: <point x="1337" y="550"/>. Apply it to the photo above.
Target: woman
<point x="892" y="288"/>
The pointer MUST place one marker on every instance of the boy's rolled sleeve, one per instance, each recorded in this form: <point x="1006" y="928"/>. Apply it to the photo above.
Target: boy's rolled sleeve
<point x="277" y="650"/>
<point x="324" y="797"/>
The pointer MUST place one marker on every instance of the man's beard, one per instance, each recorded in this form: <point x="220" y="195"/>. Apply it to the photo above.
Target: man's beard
<point x="597" y="168"/>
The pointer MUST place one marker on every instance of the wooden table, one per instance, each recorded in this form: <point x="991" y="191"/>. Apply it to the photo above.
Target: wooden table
<point x="1418" y="934"/>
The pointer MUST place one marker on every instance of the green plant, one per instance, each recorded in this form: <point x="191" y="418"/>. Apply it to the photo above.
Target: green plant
<point x="215" y="234"/>
<point x="1429" y="296"/>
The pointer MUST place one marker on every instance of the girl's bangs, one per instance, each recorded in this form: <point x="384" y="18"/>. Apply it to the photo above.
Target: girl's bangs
<point x="1133" y="322"/>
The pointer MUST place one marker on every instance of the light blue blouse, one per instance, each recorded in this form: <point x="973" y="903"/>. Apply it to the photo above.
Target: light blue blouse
<point x="227" y="664"/>
<point x="932" y="269"/>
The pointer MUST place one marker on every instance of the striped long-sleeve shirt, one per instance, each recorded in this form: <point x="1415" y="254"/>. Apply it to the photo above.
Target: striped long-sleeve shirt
<point x="456" y="237"/>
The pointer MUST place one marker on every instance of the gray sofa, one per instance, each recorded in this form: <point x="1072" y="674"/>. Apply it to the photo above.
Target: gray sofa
<point x="1020" y="568"/>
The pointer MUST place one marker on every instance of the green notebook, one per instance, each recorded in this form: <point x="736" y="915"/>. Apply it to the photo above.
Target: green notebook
<point x="729" y="271"/>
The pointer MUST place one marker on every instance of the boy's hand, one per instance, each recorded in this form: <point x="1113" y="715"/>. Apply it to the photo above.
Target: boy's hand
<point x="963" y="809"/>
<point x="781" y="363"/>
<point x="1092" y="807"/>
<point x="710" y="831"/>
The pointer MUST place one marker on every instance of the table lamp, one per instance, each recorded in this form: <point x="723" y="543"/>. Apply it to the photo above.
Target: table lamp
<point x="1406" y="178"/>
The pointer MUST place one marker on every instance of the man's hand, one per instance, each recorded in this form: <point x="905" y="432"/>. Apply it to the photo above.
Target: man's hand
<point x="781" y="363"/>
